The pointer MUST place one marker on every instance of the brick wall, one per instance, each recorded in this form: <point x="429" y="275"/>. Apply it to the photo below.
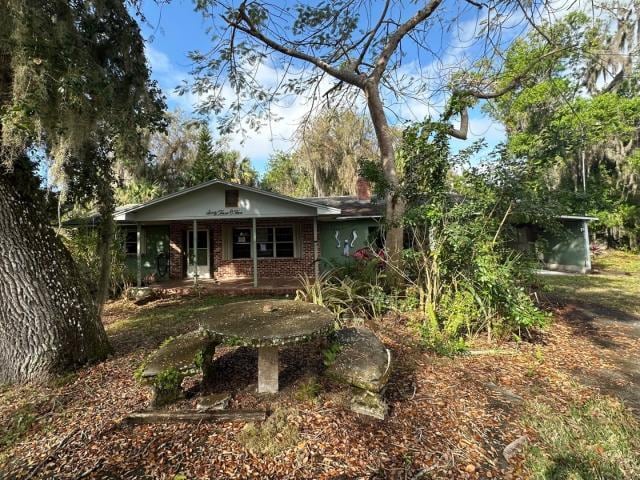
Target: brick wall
<point x="177" y="250"/>
<point x="243" y="268"/>
<point x="267" y="267"/>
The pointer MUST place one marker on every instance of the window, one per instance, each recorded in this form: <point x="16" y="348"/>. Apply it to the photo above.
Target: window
<point x="131" y="242"/>
<point x="284" y="242"/>
<point x="265" y="242"/>
<point x="271" y="242"/>
<point x="231" y="198"/>
<point x="241" y="243"/>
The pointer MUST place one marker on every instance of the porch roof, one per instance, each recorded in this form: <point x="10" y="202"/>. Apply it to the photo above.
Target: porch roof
<point x="207" y="201"/>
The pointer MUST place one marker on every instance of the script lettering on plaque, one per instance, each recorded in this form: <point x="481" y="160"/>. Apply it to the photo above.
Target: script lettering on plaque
<point x="225" y="211"/>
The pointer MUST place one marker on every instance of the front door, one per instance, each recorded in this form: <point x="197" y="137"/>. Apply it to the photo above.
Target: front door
<point x="201" y="254"/>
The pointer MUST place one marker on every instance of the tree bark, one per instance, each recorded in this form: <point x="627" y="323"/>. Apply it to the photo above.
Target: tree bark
<point x="48" y="322"/>
<point x="395" y="206"/>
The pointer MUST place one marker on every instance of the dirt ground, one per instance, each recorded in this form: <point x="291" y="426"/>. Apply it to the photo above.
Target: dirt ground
<point x="449" y="418"/>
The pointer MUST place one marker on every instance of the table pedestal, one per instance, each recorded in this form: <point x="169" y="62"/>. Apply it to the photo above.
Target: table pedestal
<point x="268" y="370"/>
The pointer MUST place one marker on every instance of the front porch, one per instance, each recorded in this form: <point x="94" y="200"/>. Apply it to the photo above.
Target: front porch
<point x="231" y="287"/>
<point x="224" y="235"/>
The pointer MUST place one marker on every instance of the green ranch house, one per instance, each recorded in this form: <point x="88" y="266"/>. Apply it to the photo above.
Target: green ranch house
<point x="238" y="237"/>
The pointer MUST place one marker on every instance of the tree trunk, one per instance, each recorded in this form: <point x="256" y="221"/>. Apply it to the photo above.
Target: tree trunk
<point x="48" y="323"/>
<point x="395" y="205"/>
<point x="106" y="233"/>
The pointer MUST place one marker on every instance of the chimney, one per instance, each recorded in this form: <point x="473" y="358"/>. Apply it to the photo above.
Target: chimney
<point x="363" y="189"/>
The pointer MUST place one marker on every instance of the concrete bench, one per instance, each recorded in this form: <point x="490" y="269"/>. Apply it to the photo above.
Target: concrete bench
<point x="177" y="358"/>
<point x="357" y="357"/>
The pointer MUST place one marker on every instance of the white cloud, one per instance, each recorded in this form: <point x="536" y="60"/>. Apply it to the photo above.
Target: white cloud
<point x="287" y="114"/>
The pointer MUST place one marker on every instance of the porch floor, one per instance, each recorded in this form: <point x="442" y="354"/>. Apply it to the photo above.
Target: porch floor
<point x="240" y="286"/>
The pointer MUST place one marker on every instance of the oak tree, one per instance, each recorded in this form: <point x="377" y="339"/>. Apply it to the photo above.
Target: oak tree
<point x="74" y="87"/>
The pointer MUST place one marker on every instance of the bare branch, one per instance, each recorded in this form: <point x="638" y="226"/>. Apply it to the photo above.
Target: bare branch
<point x="396" y="37"/>
<point x="372" y="33"/>
<point x="250" y="29"/>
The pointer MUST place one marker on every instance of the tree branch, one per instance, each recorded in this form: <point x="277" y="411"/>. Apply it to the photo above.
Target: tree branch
<point x="398" y="35"/>
<point x="372" y="34"/>
<point x="514" y="83"/>
<point x="250" y="29"/>
<point x="463" y="131"/>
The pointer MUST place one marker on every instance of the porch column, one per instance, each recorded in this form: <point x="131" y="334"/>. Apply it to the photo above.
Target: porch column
<point x="139" y="254"/>
<point x="254" y="251"/>
<point x="316" y="264"/>
<point x="194" y="252"/>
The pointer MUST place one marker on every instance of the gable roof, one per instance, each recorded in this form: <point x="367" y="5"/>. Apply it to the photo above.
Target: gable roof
<point x="321" y="209"/>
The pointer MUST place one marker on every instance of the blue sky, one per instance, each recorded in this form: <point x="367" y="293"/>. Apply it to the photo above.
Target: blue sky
<point x="175" y="29"/>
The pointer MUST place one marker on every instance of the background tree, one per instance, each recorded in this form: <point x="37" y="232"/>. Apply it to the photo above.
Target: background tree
<point x="287" y="176"/>
<point x="359" y="49"/>
<point x="74" y="84"/>
<point x="216" y="161"/>
<point x="207" y="165"/>
<point x="331" y="148"/>
<point x="171" y="152"/>
<point x="580" y="120"/>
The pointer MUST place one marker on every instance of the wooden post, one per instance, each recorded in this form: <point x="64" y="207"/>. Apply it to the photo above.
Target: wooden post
<point x="194" y="252"/>
<point x="254" y="251"/>
<point x="139" y="254"/>
<point x="268" y="370"/>
<point x="316" y="264"/>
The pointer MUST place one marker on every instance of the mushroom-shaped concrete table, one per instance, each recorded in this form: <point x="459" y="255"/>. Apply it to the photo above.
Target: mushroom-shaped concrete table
<point x="267" y="325"/>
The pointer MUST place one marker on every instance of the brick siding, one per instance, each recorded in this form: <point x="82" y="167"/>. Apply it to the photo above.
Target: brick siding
<point x="222" y="269"/>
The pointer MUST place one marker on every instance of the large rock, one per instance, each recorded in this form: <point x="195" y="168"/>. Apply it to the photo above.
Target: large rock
<point x="361" y="359"/>
<point x="141" y="295"/>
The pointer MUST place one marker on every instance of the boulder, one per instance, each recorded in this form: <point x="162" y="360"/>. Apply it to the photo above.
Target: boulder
<point x="360" y="359"/>
<point x="141" y="295"/>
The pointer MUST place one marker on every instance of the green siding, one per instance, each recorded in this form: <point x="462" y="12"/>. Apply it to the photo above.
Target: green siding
<point x="156" y="239"/>
<point x="568" y="250"/>
<point x="330" y="253"/>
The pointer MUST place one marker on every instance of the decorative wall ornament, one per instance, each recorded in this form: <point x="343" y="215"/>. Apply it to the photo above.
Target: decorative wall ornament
<point x="354" y="236"/>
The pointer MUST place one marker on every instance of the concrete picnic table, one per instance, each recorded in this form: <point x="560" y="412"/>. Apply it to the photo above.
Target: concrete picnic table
<point x="267" y="325"/>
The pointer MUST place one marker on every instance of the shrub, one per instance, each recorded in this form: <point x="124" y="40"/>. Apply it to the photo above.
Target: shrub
<point x="82" y="243"/>
<point x="348" y="292"/>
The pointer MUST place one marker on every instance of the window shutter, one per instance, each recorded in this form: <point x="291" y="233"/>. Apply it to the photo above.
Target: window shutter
<point x="227" y="247"/>
<point x="297" y="240"/>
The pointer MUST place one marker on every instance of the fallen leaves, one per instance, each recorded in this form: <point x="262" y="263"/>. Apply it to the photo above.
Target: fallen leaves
<point x="444" y="421"/>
